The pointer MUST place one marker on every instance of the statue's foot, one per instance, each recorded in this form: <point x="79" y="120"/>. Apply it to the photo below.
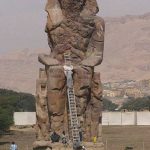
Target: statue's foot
<point x="48" y="145"/>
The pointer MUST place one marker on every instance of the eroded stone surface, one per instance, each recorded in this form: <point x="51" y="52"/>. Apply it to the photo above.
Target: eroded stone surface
<point x="72" y="28"/>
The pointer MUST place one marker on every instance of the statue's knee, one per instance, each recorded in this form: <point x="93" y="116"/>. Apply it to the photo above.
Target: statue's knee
<point x="81" y="105"/>
<point x="82" y="80"/>
<point x="56" y="102"/>
<point x="56" y="78"/>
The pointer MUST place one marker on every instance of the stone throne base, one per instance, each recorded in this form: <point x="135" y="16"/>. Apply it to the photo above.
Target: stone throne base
<point x="92" y="120"/>
<point x="46" y="145"/>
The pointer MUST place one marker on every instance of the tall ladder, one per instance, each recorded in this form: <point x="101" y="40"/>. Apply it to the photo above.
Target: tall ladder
<point x="72" y="102"/>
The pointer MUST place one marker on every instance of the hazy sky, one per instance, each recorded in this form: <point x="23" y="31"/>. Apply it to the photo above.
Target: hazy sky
<point x="22" y="21"/>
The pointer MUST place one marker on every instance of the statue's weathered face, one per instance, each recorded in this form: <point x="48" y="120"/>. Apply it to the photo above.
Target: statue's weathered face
<point x="75" y="6"/>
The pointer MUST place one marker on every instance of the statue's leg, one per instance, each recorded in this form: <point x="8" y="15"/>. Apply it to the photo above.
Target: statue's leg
<point x="42" y="124"/>
<point x="82" y="84"/>
<point x="93" y="111"/>
<point x="57" y="97"/>
<point x="96" y="105"/>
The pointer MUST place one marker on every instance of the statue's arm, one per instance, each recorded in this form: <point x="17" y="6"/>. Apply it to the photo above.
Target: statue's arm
<point x="96" y="45"/>
<point x="47" y="60"/>
<point x="54" y="19"/>
<point x="55" y="15"/>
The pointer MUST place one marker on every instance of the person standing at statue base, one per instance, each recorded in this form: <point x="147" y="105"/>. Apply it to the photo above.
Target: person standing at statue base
<point x="13" y="146"/>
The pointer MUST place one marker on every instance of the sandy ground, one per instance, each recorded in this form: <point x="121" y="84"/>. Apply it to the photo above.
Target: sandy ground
<point x="119" y="137"/>
<point x="114" y="138"/>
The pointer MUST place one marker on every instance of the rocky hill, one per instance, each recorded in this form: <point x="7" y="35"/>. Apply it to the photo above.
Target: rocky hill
<point x="127" y="48"/>
<point x="127" y="56"/>
<point x="19" y="70"/>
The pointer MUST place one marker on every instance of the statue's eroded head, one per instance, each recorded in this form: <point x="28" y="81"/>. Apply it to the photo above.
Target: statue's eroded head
<point x="72" y="7"/>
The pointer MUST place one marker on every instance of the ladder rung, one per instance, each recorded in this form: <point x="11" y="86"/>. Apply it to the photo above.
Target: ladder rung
<point x="74" y="122"/>
<point x="75" y="131"/>
<point x="72" y="97"/>
<point x="76" y="139"/>
<point x="73" y="109"/>
<point x="74" y="115"/>
<point x="72" y="103"/>
<point x="72" y="106"/>
<point x="74" y="118"/>
<point x="73" y="112"/>
<point x="76" y="136"/>
<point x="71" y="92"/>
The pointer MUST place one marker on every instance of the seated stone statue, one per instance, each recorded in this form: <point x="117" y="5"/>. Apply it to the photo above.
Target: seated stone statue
<point x="73" y="29"/>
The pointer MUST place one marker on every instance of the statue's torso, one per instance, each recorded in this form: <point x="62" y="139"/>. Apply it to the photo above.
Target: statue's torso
<point x="73" y="37"/>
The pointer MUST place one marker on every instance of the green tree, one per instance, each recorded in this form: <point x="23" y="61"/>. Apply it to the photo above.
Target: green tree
<point x="10" y="102"/>
<point x="6" y="119"/>
<point x="26" y="102"/>
<point x="15" y="101"/>
<point x="137" y="104"/>
<point x="108" y="105"/>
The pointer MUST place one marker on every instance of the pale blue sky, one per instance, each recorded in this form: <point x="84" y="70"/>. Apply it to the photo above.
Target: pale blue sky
<point x="22" y="21"/>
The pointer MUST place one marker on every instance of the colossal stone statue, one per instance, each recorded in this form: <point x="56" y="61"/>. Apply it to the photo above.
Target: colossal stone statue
<point x="73" y="29"/>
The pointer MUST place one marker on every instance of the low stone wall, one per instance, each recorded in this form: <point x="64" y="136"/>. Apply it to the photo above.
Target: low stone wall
<point x="109" y="118"/>
<point x="24" y="118"/>
<point x="126" y="118"/>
